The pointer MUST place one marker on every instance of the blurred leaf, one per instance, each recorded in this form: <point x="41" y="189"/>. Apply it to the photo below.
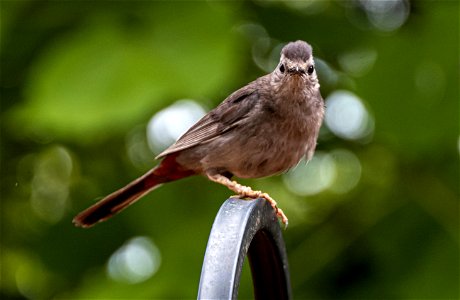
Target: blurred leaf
<point x="101" y="79"/>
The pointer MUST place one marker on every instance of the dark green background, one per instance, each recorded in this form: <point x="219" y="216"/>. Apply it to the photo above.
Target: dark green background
<point x="81" y="79"/>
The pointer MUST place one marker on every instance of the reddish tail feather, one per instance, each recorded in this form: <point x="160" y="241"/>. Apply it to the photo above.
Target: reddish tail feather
<point x="167" y="170"/>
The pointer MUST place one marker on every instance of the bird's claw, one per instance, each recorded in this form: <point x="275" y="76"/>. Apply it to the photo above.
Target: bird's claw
<point x="249" y="193"/>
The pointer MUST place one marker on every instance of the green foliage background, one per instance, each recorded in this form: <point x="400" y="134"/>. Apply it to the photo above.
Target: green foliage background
<point x="81" y="79"/>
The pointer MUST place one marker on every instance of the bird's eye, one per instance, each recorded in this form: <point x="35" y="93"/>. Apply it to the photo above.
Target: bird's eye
<point x="282" y="68"/>
<point x="310" y="70"/>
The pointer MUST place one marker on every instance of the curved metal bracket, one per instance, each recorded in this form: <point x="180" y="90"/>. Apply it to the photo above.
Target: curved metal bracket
<point x="240" y="227"/>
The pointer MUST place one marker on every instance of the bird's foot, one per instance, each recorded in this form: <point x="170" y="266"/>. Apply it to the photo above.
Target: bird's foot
<point x="279" y="212"/>
<point x="246" y="192"/>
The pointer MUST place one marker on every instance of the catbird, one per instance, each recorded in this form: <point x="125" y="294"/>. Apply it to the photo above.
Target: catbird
<point x="262" y="129"/>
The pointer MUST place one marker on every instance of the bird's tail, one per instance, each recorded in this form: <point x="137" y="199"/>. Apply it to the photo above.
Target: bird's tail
<point x="167" y="170"/>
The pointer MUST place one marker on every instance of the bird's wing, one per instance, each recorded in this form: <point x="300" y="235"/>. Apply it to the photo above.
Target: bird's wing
<point x="219" y="120"/>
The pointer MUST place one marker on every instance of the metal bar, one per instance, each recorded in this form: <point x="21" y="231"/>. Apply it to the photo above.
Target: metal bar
<point x="245" y="227"/>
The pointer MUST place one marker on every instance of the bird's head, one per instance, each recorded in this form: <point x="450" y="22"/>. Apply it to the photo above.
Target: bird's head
<point x="297" y="62"/>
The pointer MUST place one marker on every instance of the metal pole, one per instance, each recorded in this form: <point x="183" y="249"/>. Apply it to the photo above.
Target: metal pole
<point x="245" y="227"/>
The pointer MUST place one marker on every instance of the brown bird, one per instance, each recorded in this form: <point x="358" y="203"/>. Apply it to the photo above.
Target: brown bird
<point x="262" y="129"/>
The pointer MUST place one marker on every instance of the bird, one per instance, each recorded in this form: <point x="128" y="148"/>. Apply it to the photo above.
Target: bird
<point x="262" y="129"/>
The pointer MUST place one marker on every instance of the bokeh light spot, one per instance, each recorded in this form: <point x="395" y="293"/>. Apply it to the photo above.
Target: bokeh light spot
<point x="166" y="126"/>
<point x="348" y="170"/>
<point x="138" y="149"/>
<point x="327" y="75"/>
<point x="50" y="184"/>
<point x="386" y="15"/>
<point x="358" y="62"/>
<point x="312" y="178"/>
<point x="31" y="276"/>
<point x="134" y="262"/>
<point x="307" y="7"/>
<point x="347" y="117"/>
<point x="264" y="55"/>
<point x="338" y="171"/>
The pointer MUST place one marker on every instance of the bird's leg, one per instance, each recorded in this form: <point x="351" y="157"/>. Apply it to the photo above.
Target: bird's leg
<point x="247" y="192"/>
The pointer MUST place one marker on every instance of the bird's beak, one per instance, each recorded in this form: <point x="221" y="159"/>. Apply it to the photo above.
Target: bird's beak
<point x="298" y="69"/>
